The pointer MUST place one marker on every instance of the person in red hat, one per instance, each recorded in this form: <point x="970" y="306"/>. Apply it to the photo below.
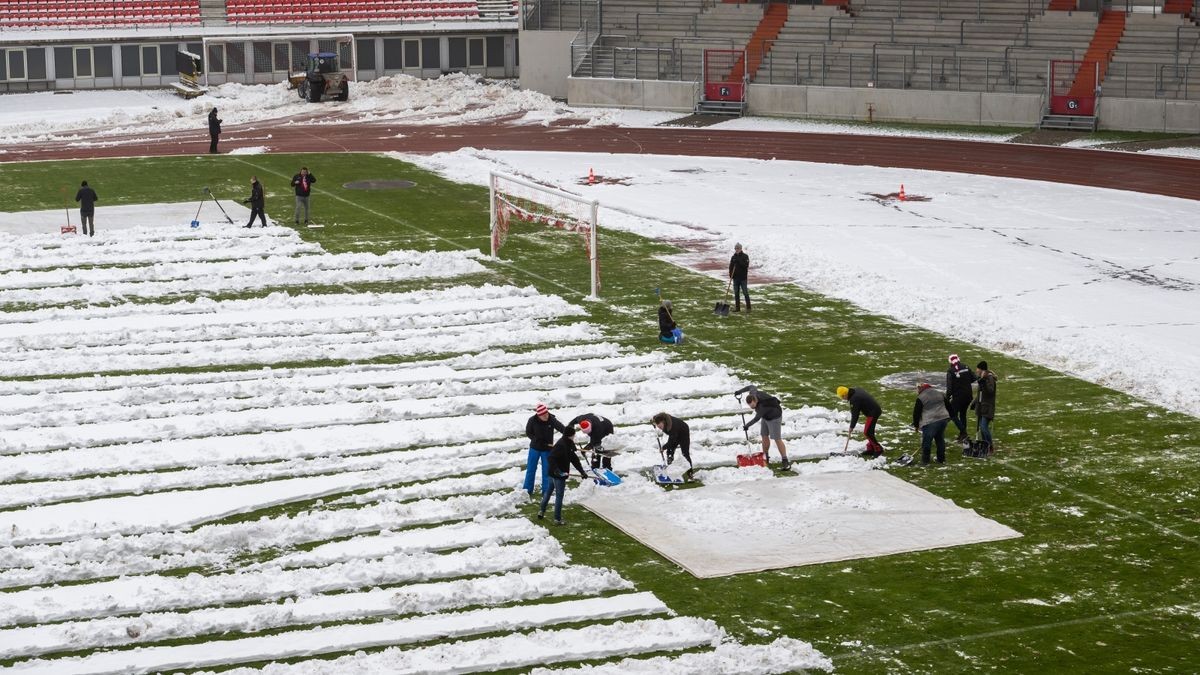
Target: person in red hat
<point x="596" y="428"/>
<point x="540" y="429"/>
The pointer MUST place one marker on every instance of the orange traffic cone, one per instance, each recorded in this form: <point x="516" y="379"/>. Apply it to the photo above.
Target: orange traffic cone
<point x="903" y="198"/>
<point x="591" y="177"/>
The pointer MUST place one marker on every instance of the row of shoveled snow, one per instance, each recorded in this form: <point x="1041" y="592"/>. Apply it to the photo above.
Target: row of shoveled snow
<point x="146" y="246"/>
<point x="57" y="287"/>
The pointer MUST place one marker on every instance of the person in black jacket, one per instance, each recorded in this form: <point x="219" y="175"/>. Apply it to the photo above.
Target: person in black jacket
<point x="769" y="410"/>
<point x="303" y="183"/>
<point x="596" y="428"/>
<point x="959" y="379"/>
<point x="862" y="402"/>
<point x="256" y="202"/>
<point x="562" y="457"/>
<point x="87" y="208"/>
<point x="739" y="270"/>
<point x="540" y="429"/>
<point x="214" y="131"/>
<point x="666" y="323"/>
<point x="678" y="437"/>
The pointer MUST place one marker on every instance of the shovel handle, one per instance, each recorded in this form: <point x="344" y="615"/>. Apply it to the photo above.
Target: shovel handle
<point x="847" y="446"/>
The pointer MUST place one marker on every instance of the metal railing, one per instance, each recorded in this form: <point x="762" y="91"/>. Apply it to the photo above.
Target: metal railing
<point x="1152" y="80"/>
<point x="1029" y="9"/>
<point x="560" y="14"/>
<point x="637" y="19"/>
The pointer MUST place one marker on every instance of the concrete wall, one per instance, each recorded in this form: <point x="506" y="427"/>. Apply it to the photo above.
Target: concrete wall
<point x="645" y="94"/>
<point x="546" y="61"/>
<point x="895" y="105"/>
<point x="891" y="105"/>
<point x="1148" y="114"/>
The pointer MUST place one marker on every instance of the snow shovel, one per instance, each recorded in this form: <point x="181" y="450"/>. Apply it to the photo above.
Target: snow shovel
<point x="196" y="218"/>
<point x="750" y="458"/>
<point x="721" y="308"/>
<point x="68" y="228"/>
<point x="218" y="203"/>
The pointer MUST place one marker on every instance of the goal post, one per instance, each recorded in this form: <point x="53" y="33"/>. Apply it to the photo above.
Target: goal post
<point x="511" y="197"/>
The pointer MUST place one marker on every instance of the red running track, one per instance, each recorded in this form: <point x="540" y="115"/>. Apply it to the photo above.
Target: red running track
<point x="1153" y="174"/>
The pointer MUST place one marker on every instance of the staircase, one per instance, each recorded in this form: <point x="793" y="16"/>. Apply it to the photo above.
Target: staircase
<point x="1087" y="77"/>
<point x="761" y="41"/>
<point x="1183" y="7"/>
<point x="213" y="13"/>
<point x="1104" y="43"/>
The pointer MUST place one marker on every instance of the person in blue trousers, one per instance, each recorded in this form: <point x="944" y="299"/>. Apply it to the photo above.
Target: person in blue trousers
<point x="562" y="457"/>
<point x="984" y="404"/>
<point x="931" y="416"/>
<point x="540" y="429"/>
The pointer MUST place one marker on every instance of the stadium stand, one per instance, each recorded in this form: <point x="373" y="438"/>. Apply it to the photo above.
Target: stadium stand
<point x="16" y="14"/>
<point x="348" y="11"/>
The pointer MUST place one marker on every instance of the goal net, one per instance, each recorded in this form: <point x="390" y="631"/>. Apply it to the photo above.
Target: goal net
<point x="514" y="198"/>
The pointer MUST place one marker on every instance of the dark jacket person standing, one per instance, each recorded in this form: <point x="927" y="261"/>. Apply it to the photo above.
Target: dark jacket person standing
<point x="256" y="202"/>
<point x="562" y="457"/>
<point x="87" y="208"/>
<point x="959" y="379"/>
<point x="739" y="271"/>
<point x="985" y="402"/>
<point x="214" y="131"/>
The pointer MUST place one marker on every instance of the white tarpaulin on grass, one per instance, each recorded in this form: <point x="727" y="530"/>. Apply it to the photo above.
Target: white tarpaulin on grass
<point x="733" y="528"/>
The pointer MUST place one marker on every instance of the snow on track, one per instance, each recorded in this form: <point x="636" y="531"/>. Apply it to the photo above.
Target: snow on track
<point x="148" y="514"/>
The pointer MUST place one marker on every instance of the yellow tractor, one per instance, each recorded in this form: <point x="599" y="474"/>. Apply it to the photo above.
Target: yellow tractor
<point x="322" y="79"/>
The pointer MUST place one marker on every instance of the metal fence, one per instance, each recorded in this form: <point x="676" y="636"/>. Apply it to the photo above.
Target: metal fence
<point x="815" y="64"/>
<point x="560" y="14"/>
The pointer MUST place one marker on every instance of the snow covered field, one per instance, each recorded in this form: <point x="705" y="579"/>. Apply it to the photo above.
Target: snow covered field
<point x="400" y="528"/>
<point x="1097" y="283"/>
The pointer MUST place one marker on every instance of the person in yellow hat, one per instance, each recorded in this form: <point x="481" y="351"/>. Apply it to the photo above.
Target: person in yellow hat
<point x="863" y="403"/>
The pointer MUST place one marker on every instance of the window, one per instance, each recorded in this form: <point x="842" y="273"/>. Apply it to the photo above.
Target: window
<point x="458" y="53"/>
<point x="495" y="51"/>
<point x="216" y="58"/>
<point x="366" y="54"/>
<point x="149" y="60"/>
<point x="412" y="53"/>
<point x="431" y="56"/>
<point x="131" y="60"/>
<point x="393" y="51"/>
<point x="35" y="63"/>
<point x="299" y="56"/>
<point x="475" y="53"/>
<point x="235" y="57"/>
<point x="3" y="66"/>
<point x="83" y="62"/>
<point x="16" y="64"/>
<point x="263" y="56"/>
<point x="103" y="57"/>
<point x="64" y="63"/>
<point x="282" y="62"/>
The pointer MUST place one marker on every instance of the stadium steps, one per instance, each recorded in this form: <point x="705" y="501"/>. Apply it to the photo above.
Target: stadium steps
<point x="1099" y="53"/>
<point x="1068" y="123"/>
<point x="760" y="42"/>
<point x="213" y="13"/>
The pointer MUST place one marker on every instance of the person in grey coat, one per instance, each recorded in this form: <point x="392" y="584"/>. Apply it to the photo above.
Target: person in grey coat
<point x="984" y="404"/>
<point x="931" y="417"/>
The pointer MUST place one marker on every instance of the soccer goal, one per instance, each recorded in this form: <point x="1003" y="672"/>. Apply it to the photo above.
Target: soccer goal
<point x="526" y="201"/>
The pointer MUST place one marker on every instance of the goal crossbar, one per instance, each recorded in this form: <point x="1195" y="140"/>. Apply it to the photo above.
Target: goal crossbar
<point x="511" y="196"/>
